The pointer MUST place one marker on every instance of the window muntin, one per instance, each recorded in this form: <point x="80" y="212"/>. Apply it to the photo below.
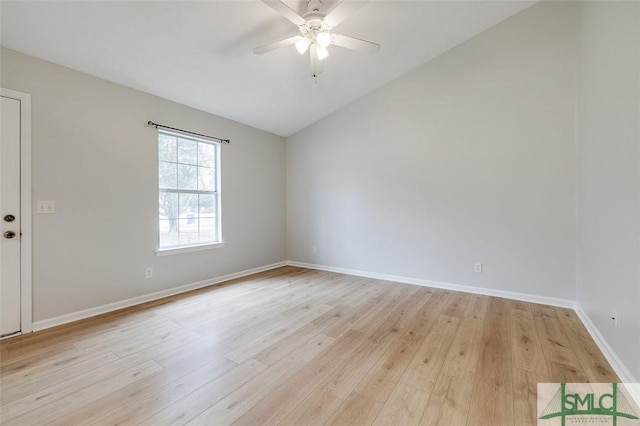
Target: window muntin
<point x="189" y="191"/>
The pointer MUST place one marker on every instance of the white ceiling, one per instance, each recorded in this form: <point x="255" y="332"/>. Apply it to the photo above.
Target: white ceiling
<point x="200" y="53"/>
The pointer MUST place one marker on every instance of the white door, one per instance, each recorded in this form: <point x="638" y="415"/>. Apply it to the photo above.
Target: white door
<point x="10" y="301"/>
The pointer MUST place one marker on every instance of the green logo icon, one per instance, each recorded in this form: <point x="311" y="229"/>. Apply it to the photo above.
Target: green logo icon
<point x="581" y="406"/>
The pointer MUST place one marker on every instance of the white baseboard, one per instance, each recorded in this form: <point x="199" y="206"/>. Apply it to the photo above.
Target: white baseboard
<point x="618" y="366"/>
<point x="553" y="301"/>
<point x="91" y="312"/>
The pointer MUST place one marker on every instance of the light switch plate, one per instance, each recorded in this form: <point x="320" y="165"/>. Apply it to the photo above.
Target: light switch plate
<point x="45" y="207"/>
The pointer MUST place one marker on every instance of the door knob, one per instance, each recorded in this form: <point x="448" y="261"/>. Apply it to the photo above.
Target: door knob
<point x="9" y="235"/>
<point x="9" y="218"/>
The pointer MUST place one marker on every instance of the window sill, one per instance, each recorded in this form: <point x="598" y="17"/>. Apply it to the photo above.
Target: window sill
<point x="178" y="250"/>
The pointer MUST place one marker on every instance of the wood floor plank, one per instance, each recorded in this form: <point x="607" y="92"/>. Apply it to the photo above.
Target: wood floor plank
<point x="315" y="410"/>
<point x="477" y="307"/>
<point x="141" y="400"/>
<point x="370" y="322"/>
<point x="263" y="302"/>
<point x="48" y="391"/>
<point x="364" y="309"/>
<point x="423" y="370"/>
<point x="55" y="354"/>
<point x="385" y="373"/>
<point x="560" y="372"/>
<point x="248" y="324"/>
<point x="404" y="406"/>
<point x="448" y="403"/>
<point x="132" y="333"/>
<point x="34" y="380"/>
<point x="26" y="356"/>
<point x="591" y="360"/>
<point x="520" y="305"/>
<point x="238" y="402"/>
<point x="235" y="329"/>
<point x="192" y="404"/>
<point x="492" y="396"/>
<point x="525" y="391"/>
<point x="457" y="304"/>
<point x="560" y="358"/>
<point x="321" y="404"/>
<point x="355" y="410"/>
<point x="526" y="345"/>
<point x="61" y="406"/>
<point x="295" y="346"/>
<point x="283" y="347"/>
<point x="462" y="358"/>
<point x="280" y="402"/>
<point x="280" y="331"/>
<point x="258" y="305"/>
<point x="24" y="376"/>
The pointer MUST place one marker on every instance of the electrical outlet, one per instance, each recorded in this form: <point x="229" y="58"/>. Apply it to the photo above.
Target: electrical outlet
<point x="477" y="267"/>
<point x="616" y="321"/>
<point x="148" y="273"/>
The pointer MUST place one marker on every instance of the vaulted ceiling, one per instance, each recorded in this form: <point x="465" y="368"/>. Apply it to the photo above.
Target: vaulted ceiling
<point x="200" y="53"/>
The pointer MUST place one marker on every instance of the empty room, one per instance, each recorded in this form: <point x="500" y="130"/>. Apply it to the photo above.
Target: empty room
<point x="310" y="212"/>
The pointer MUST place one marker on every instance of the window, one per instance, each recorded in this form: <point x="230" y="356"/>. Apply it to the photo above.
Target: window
<point x="189" y="191"/>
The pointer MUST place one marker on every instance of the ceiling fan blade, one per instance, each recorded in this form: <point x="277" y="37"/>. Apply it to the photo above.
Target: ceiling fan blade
<point x="354" y="43"/>
<point x="342" y="10"/>
<point x="285" y="11"/>
<point x="276" y="45"/>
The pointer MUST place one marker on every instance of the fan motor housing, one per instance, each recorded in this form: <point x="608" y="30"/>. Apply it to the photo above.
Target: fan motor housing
<point x="314" y="17"/>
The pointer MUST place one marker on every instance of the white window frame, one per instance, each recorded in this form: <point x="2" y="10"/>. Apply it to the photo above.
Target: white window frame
<point x="186" y="248"/>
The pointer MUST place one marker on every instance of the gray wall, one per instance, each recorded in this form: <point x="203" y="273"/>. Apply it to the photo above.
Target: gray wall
<point x="94" y="156"/>
<point x="608" y="220"/>
<point x="469" y="158"/>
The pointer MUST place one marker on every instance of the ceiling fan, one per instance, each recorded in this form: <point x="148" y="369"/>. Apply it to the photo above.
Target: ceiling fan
<point x="316" y="31"/>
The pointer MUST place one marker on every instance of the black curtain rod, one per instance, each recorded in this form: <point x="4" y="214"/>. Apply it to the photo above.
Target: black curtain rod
<point x="156" y="125"/>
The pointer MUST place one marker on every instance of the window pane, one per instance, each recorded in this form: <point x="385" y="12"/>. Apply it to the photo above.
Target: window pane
<point x="208" y="220"/>
<point x="188" y="221"/>
<point x="187" y="177"/>
<point x="207" y="155"/>
<point x="168" y="205"/>
<point x="206" y="179"/>
<point x="167" y="148"/>
<point x="188" y="206"/>
<point x="167" y="175"/>
<point x="207" y="206"/>
<point x="187" y="151"/>
<point x="207" y="230"/>
<point x="189" y="231"/>
<point x="169" y="233"/>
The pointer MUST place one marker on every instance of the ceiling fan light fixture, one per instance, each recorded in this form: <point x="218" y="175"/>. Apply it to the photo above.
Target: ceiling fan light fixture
<point x="316" y="30"/>
<point x="302" y="45"/>
<point x="321" y="52"/>
<point x="323" y="39"/>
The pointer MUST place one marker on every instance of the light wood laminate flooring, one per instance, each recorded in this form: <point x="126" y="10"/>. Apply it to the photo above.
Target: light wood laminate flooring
<point x="294" y="346"/>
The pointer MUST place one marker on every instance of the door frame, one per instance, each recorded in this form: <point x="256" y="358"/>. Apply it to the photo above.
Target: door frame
<point x="26" y="303"/>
